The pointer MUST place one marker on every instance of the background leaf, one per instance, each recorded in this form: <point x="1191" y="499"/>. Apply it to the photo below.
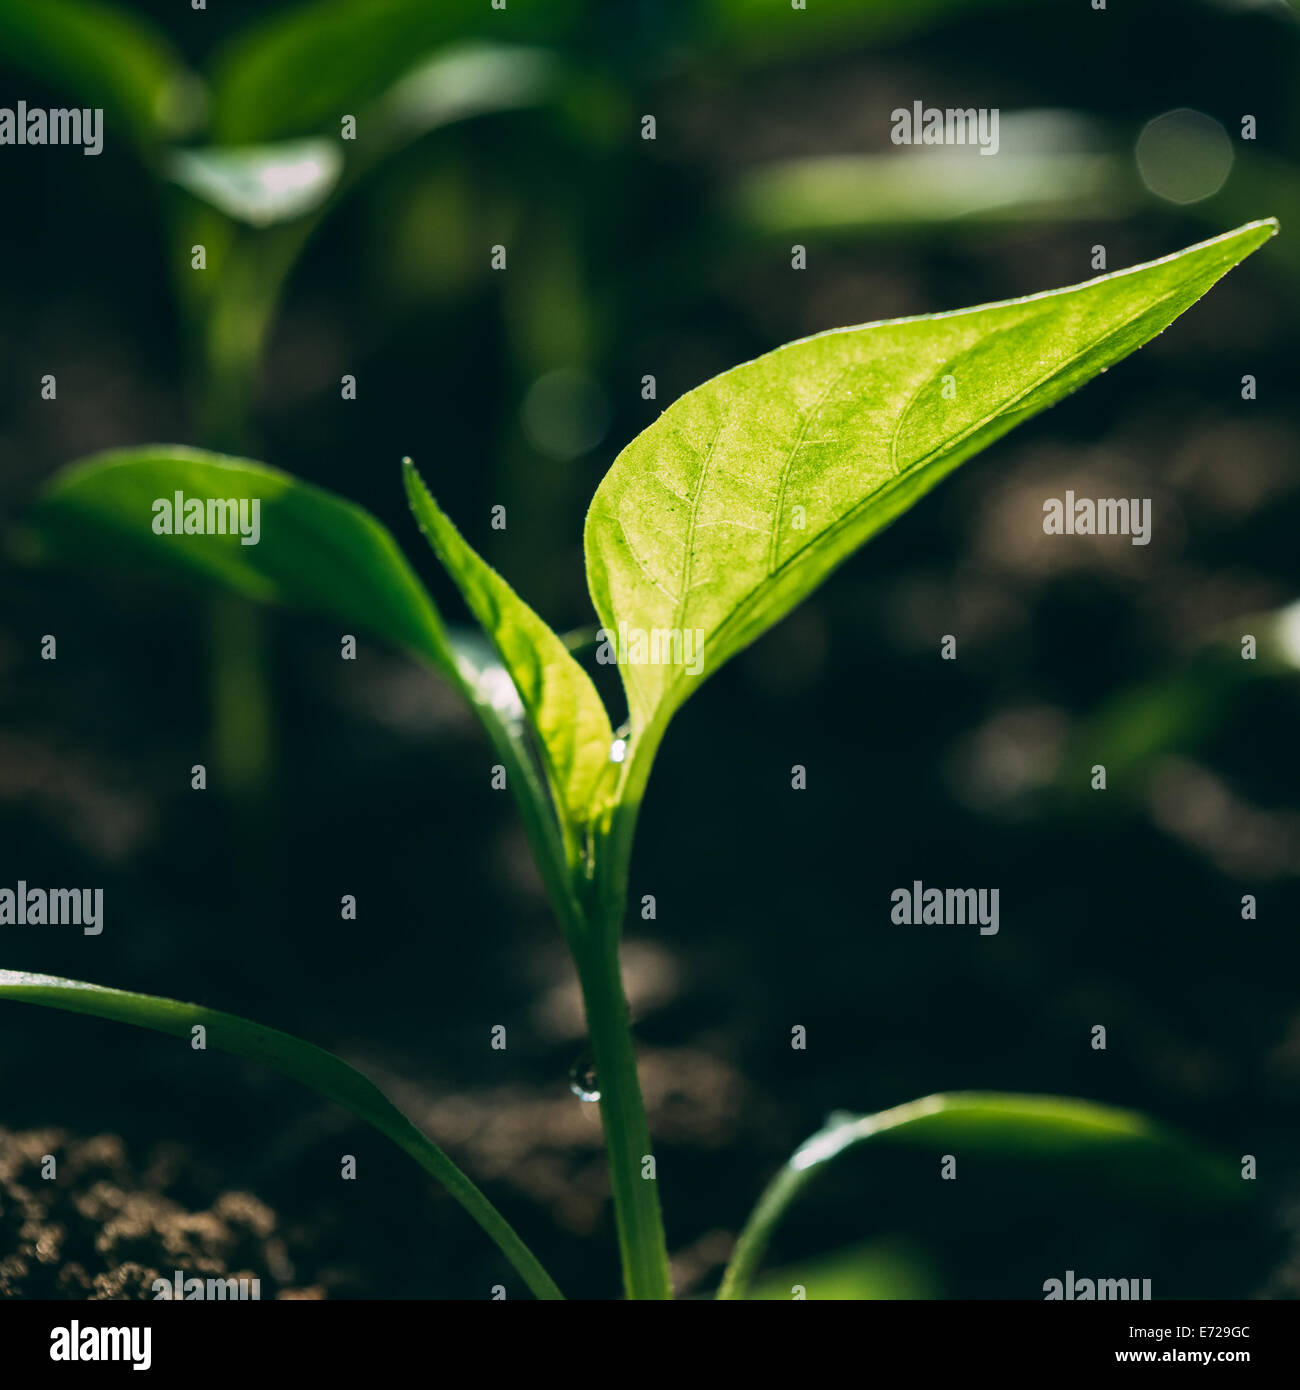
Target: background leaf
<point x="762" y="29"/>
<point x="1178" y="710"/>
<point x="860" y="1273"/>
<point x="261" y="184"/>
<point x="299" y="72"/>
<point x="973" y="1122"/>
<point x="694" y="526"/>
<point x="463" y="81"/>
<point x="1050" y="164"/>
<point x="105" y="55"/>
<point x="265" y="184"/>
<point x="303" y="1062"/>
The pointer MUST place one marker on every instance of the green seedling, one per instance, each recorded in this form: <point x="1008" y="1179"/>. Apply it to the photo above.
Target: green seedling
<point x="709" y="527"/>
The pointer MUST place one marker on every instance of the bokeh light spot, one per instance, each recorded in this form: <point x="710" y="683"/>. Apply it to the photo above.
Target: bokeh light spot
<point x="1184" y="156"/>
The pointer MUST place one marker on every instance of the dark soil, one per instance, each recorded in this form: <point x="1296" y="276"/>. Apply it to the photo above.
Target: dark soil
<point x="100" y="1228"/>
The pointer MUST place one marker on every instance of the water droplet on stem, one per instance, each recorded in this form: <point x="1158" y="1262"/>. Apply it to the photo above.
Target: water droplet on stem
<point x="582" y="1078"/>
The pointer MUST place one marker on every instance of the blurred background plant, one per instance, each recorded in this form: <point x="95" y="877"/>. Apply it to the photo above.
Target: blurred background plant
<point x="670" y="258"/>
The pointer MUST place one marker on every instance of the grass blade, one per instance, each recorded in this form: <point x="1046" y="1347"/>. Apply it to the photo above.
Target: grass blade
<point x="304" y="1062"/>
<point x="974" y="1122"/>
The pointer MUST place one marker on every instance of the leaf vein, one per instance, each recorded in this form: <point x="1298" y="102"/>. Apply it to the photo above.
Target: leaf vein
<point x="784" y="478"/>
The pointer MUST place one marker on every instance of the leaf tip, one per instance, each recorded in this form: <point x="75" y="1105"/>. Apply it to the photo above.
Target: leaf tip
<point x="417" y="490"/>
<point x="1256" y="233"/>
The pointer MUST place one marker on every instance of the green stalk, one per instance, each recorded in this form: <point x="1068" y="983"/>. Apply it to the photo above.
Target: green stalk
<point x="837" y="1136"/>
<point x="642" y="1248"/>
<point x="243" y="717"/>
<point x="764" y="1219"/>
<point x="230" y="324"/>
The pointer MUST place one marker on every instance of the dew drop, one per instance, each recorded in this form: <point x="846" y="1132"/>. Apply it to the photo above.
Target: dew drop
<point x="582" y="1078"/>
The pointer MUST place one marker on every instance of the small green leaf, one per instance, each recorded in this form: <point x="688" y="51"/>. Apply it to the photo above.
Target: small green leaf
<point x="106" y="56"/>
<point x="303" y="1062"/>
<point x="261" y="184"/>
<point x="747" y="492"/>
<point x="313" y="551"/>
<point x="562" y="703"/>
<point x="974" y="1122"/>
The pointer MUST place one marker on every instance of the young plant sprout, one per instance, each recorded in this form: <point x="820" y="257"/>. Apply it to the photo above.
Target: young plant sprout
<point x="709" y="527"/>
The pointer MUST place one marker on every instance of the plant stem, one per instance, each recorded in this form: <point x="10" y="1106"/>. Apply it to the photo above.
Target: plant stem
<point x="642" y="1247"/>
<point x="641" y="1242"/>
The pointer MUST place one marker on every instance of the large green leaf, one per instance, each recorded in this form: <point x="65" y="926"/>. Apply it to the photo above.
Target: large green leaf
<point x="748" y="491"/>
<point x="1118" y="1142"/>
<point x="107" y="56"/>
<point x="570" y="719"/>
<point x="304" y="1062"/>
